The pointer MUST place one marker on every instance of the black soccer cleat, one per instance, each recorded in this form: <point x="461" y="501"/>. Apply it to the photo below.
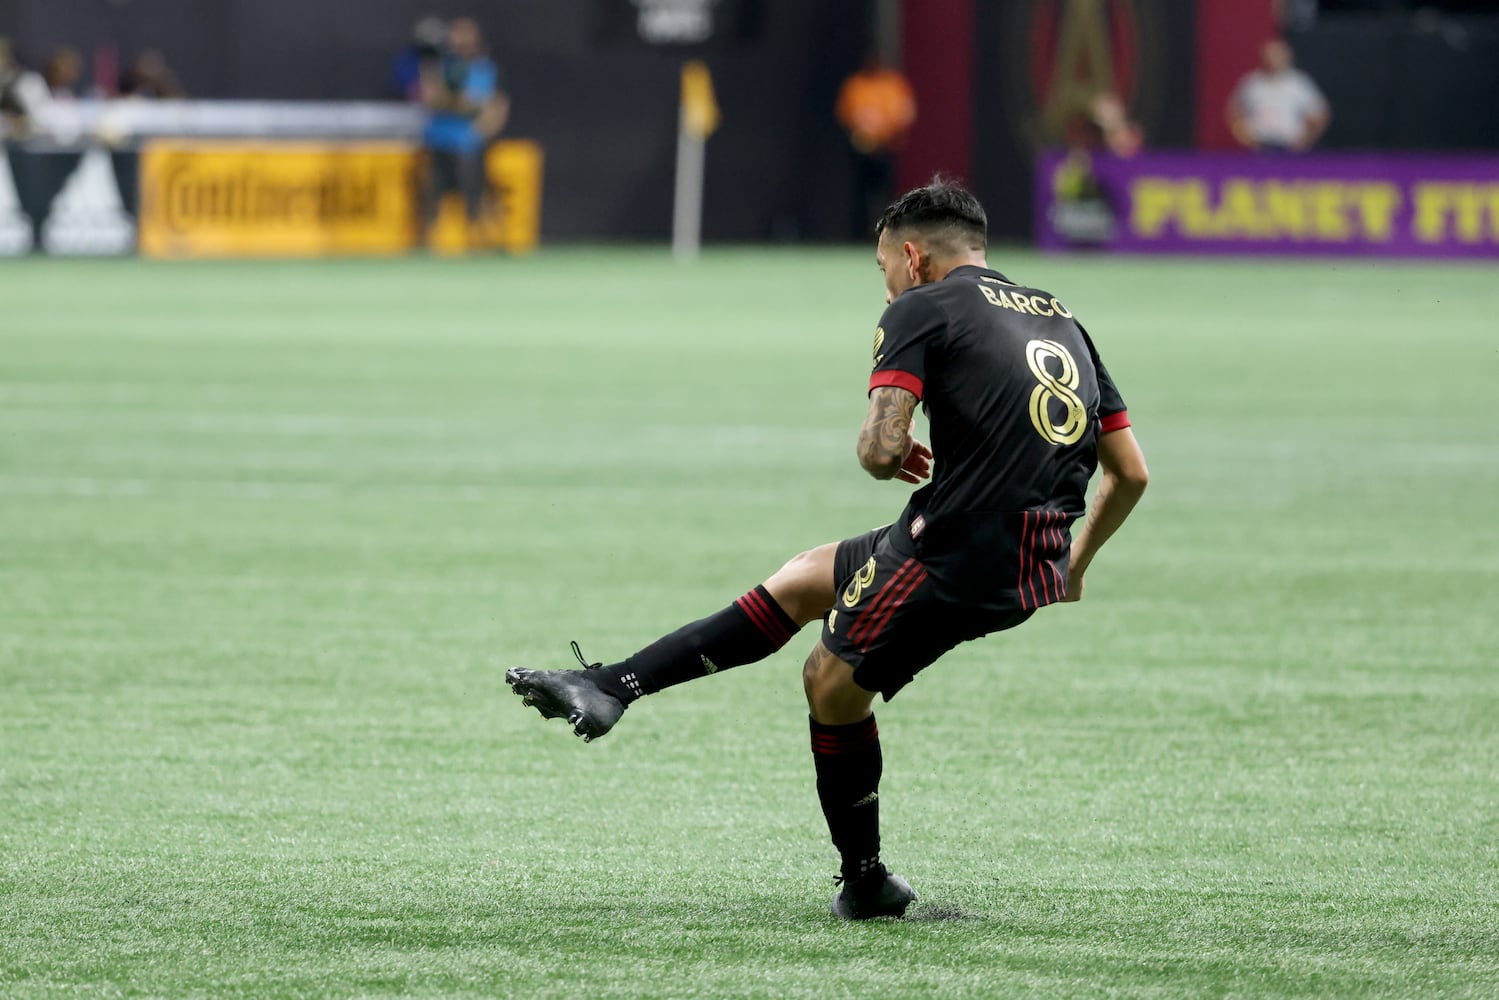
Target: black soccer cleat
<point x="568" y="694"/>
<point x="876" y="893"/>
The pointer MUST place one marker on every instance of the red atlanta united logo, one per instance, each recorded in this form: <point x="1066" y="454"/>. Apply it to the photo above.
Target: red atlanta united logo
<point x="1061" y="54"/>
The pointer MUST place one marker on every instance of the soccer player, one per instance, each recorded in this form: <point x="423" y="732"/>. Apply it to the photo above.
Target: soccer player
<point x="1021" y="412"/>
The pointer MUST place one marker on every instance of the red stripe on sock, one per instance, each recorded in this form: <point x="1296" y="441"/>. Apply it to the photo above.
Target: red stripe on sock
<point x="755" y="615"/>
<point x="756" y="618"/>
<point x="846" y="739"/>
<point x="773" y="616"/>
<point x="909" y="589"/>
<point x="761" y="620"/>
<point x="863" y="624"/>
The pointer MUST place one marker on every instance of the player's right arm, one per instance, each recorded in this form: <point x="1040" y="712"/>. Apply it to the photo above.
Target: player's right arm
<point x="886" y="448"/>
<point x="908" y="328"/>
<point x="1120" y="487"/>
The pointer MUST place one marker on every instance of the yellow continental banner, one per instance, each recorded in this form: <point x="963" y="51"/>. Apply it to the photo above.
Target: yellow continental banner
<point x="210" y="199"/>
<point x="512" y="213"/>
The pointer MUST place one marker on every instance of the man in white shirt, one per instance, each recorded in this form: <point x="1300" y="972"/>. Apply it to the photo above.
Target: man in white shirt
<point x="1277" y="107"/>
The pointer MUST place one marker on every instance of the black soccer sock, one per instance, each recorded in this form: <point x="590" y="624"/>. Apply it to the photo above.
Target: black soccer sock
<point x="750" y="629"/>
<point x="848" y="765"/>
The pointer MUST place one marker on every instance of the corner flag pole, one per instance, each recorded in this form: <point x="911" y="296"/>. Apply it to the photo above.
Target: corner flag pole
<point x="697" y="120"/>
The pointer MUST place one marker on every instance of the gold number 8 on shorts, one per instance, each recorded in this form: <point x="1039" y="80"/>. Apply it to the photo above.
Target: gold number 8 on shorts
<point x="859" y="584"/>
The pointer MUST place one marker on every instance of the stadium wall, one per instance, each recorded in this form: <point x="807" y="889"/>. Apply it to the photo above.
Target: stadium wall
<point x="602" y="105"/>
<point x="1024" y="81"/>
<point x="1426" y="82"/>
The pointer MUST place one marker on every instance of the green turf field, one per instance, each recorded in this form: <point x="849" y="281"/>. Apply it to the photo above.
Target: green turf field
<point x="269" y="534"/>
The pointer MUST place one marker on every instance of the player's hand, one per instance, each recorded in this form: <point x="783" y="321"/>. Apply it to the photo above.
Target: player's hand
<point x="1074" y="587"/>
<point x="917" y="465"/>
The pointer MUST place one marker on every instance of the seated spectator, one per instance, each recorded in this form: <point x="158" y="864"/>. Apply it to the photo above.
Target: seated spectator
<point x="149" y="76"/>
<point x="63" y="73"/>
<point x="1115" y="132"/>
<point x="23" y="94"/>
<point x="1277" y="108"/>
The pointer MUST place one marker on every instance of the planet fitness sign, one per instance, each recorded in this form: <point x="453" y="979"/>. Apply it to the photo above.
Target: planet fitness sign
<point x="1322" y="204"/>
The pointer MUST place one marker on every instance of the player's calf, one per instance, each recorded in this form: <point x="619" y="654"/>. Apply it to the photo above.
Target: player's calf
<point x="594" y="698"/>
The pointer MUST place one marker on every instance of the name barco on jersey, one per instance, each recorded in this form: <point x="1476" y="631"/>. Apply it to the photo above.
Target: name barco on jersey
<point x="1017" y="300"/>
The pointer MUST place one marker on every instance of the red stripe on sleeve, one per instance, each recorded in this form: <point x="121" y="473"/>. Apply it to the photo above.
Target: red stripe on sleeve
<point x="901" y="380"/>
<point x="1116" y="421"/>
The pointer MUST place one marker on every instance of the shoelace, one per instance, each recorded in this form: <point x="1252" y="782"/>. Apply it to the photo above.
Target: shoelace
<point x="582" y="659"/>
<point x="840" y="879"/>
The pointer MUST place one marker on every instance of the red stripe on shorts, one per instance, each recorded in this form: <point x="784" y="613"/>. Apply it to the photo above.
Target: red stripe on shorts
<point x="867" y="617"/>
<point x="889" y="613"/>
<point x="1059" y="531"/>
<point x="1027" y="539"/>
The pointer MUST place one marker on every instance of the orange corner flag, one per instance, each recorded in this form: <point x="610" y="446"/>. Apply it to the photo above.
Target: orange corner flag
<point x="699" y="106"/>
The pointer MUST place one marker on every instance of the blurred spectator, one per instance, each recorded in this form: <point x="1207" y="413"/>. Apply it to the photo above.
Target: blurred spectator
<point x="877" y="108"/>
<point x="1114" y="131"/>
<point x="1277" y="107"/>
<point x="469" y="106"/>
<point x="63" y="73"/>
<point x="23" y="94"/>
<point x="150" y="76"/>
<point x="428" y="38"/>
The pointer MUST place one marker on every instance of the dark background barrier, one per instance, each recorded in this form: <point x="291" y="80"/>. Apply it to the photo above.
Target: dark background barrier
<point x="604" y="104"/>
<point x="1022" y="70"/>
<point x="1434" y="79"/>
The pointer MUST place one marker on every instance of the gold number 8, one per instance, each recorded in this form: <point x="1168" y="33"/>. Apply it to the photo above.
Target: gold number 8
<point x="1055" y="387"/>
<point x="856" y="586"/>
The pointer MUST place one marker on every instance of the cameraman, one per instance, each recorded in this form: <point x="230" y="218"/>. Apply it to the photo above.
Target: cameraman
<point x="463" y="90"/>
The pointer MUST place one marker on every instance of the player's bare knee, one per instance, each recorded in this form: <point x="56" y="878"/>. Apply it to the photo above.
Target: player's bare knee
<point x="804" y="586"/>
<point x="832" y="695"/>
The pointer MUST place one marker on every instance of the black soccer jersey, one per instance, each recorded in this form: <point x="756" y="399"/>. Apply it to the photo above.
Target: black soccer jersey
<point x="1016" y="397"/>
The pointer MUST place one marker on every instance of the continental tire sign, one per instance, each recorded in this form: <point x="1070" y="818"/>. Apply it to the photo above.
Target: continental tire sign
<point x="283" y="199"/>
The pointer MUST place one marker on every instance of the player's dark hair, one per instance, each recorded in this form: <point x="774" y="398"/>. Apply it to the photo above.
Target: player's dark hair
<point x="942" y="211"/>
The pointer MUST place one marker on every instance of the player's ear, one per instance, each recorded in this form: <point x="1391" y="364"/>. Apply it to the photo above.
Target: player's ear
<point x="912" y="254"/>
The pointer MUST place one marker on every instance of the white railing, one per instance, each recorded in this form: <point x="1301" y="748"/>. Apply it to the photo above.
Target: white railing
<point x="129" y="120"/>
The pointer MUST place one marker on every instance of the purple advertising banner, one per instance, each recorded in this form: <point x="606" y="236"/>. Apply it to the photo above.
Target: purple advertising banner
<point x="1352" y="204"/>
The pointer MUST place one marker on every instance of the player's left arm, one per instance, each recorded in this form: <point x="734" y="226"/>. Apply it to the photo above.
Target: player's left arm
<point x="886" y="448"/>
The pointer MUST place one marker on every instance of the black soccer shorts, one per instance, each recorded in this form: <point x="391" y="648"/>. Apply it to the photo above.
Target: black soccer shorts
<point x="887" y="621"/>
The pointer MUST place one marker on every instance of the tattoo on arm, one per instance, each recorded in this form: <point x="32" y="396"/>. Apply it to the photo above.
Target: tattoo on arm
<point x="887" y="428"/>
